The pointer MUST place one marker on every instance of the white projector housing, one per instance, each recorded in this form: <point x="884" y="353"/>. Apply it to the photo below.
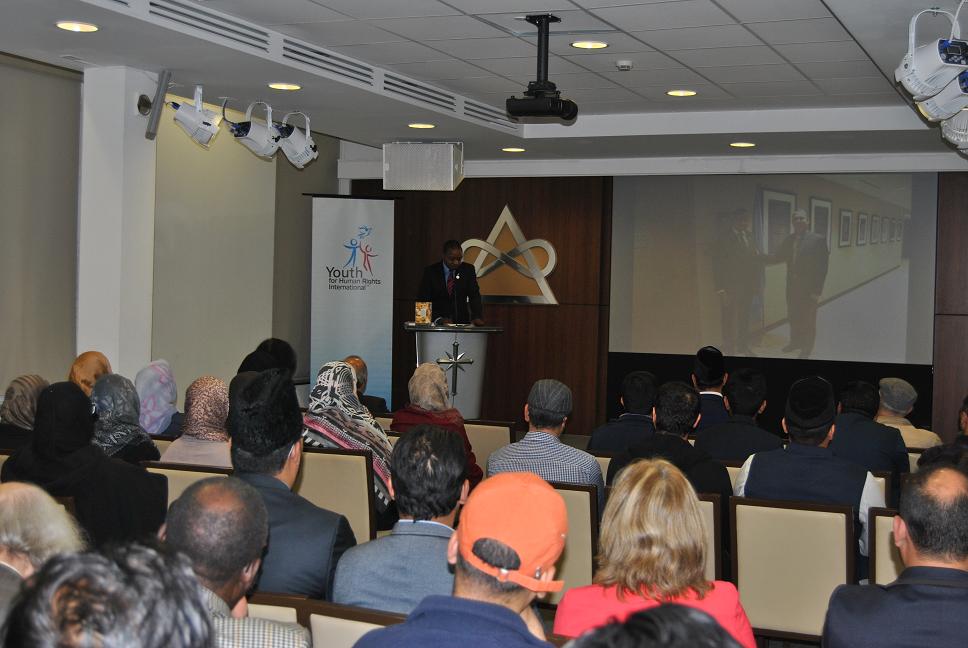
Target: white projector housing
<point x="948" y="102"/>
<point x="423" y="166"/>
<point x="200" y="124"/>
<point x="955" y="130"/>
<point x="299" y="147"/>
<point x="260" y="138"/>
<point x="926" y="69"/>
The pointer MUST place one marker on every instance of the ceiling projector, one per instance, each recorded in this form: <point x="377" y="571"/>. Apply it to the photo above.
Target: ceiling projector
<point x="542" y="98"/>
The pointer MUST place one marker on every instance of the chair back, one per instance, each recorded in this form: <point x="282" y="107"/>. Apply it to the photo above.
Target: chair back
<point x="709" y="505"/>
<point x="162" y="443"/>
<point x="885" y="560"/>
<point x="787" y="559"/>
<point x="341" y="481"/>
<point x="341" y="626"/>
<point x="883" y="480"/>
<point x="393" y="437"/>
<point x="913" y="456"/>
<point x="733" y="469"/>
<point x="279" y="613"/>
<point x="486" y="437"/>
<point x="181" y="476"/>
<point x="384" y="422"/>
<point x="577" y="563"/>
<point x="604" y="459"/>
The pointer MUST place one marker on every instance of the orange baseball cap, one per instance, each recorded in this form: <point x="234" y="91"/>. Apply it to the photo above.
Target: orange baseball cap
<point x="524" y="512"/>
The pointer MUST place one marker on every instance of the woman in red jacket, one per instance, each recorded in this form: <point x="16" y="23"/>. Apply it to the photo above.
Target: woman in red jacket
<point x="430" y="405"/>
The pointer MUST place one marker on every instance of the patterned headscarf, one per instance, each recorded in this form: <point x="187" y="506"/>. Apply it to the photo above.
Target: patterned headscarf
<point x="117" y="414"/>
<point x="206" y="409"/>
<point x="158" y="394"/>
<point x="20" y="401"/>
<point x="428" y="388"/>
<point x="87" y="368"/>
<point x="336" y="389"/>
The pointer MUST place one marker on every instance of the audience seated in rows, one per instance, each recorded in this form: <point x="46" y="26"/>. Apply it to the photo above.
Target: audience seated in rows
<point x="18" y="410"/>
<point x="926" y="605"/>
<point x="740" y="436"/>
<point x="336" y="419"/>
<point x="652" y="551"/>
<point x="306" y="541"/>
<point x="117" y="429"/>
<point x="428" y="481"/>
<point x="504" y="551"/>
<point x="87" y="368"/>
<point x="131" y="595"/>
<point x="807" y="470"/>
<point x="374" y="404"/>
<point x="637" y="398"/>
<point x="541" y="451"/>
<point x="221" y="525"/>
<point x="158" y="393"/>
<point x="897" y="401"/>
<point x="669" y="625"/>
<point x="430" y="405"/>
<point x="205" y="439"/>
<point x="115" y="501"/>
<point x="33" y="528"/>
<point x="709" y="377"/>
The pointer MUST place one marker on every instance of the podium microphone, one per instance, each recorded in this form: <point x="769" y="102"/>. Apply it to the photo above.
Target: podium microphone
<point x="454" y="297"/>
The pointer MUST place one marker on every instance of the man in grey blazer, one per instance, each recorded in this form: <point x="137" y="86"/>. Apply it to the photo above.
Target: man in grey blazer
<point x="428" y="481"/>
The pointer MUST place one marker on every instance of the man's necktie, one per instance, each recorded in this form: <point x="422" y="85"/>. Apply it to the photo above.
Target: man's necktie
<point x="450" y="283"/>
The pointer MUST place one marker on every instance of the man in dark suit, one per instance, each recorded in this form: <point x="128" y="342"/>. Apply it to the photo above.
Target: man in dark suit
<point x="805" y="254"/>
<point x="449" y="284"/>
<point x="708" y="377"/>
<point x="739" y="436"/>
<point x="305" y="541"/>
<point x="737" y="278"/>
<point x="375" y="404"/>
<point x="635" y="425"/>
<point x="926" y="605"/>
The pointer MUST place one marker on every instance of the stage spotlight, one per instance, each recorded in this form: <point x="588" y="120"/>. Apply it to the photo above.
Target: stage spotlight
<point x="925" y="70"/>
<point x="948" y="102"/>
<point x="200" y="124"/>
<point x="955" y="130"/>
<point x="299" y="147"/>
<point x="260" y="138"/>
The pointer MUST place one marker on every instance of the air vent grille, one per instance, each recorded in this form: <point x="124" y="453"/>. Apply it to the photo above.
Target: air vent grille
<point x="488" y="114"/>
<point x="327" y="61"/>
<point x="210" y="23"/>
<point x="421" y="92"/>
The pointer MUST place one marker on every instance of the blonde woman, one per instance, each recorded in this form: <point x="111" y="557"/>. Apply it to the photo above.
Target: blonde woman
<point x="652" y="551"/>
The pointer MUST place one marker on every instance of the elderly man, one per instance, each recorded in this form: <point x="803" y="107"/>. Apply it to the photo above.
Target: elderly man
<point x="375" y="404"/>
<point x="925" y="606"/>
<point x="897" y="400"/>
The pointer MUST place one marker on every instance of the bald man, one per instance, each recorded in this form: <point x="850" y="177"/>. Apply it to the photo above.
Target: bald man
<point x="375" y="404"/>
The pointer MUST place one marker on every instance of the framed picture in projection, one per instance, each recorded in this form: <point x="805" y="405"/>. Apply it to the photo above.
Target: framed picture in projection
<point x="846" y="219"/>
<point x="820" y="210"/>
<point x="777" y="215"/>
<point x="863" y="221"/>
<point x="875" y="229"/>
<point x="885" y="227"/>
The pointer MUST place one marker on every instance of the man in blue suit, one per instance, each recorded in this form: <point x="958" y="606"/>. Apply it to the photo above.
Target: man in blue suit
<point x="429" y="483"/>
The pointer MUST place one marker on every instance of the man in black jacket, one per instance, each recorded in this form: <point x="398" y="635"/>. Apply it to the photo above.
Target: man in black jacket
<point x="635" y="425"/>
<point x="451" y="287"/>
<point x="708" y="377"/>
<point x="740" y="436"/>
<point x="806" y="256"/>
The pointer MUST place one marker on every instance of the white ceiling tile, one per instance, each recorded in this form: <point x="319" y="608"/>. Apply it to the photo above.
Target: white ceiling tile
<point x="570" y="21"/>
<point x="484" y="84"/>
<point x="583" y="81"/>
<point x="485" y="48"/>
<point x="613" y="107"/>
<point x="640" y="61"/>
<point x="758" y="55"/>
<point x="592" y="4"/>
<point x="839" y="69"/>
<point x="618" y="43"/>
<point x="381" y="53"/>
<point x="506" y="6"/>
<point x="855" y="85"/>
<point x="436" y="70"/>
<point x="705" y="92"/>
<point x="771" y="89"/>
<point x="597" y="94"/>
<point x="333" y="34"/>
<point x="822" y="52"/>
<point x="383" y="8"/>
<point x="526" y="67"/>
<point x="665" y="15"/>
<point x="671" y="78"/>
<point x="272" y="13"/>
<point x="439" y="28"/>
<point x="753" y="73"/>
<point x="816" y="30"/>
<point x="699" y="37"/>
<point x="759" y="11"/>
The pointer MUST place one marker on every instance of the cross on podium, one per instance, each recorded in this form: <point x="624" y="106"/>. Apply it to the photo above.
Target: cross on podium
<point x="455" y="363"/>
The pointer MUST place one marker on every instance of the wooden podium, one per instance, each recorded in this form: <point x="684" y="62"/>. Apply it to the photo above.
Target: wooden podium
<point x="461" y="351"/>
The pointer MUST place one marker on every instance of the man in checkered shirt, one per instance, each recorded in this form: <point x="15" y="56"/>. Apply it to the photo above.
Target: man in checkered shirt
<point x="541" y="450"/>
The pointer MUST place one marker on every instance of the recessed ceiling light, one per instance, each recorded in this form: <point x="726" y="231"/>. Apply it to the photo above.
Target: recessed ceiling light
<point x="285" y="86"/>
<point x="681" y="93"/>
<point x="589" y="44"/>
<point x="513" y="149"/>
<point x="421" y="125"/>
<point x="74" y="26"/>
<point x="742" y="144"/>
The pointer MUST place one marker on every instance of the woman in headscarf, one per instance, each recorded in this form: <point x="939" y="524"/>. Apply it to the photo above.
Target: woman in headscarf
<point x="337" y="419"/>
<point x="158" y="394"/>
<point x="18" y="409"/>
<point x="118" y="431"/>
<point x="204" y="440"/>
<point x="430" y="404"/>
<point x="87" y="368"/>
<point x="114" y="500"/>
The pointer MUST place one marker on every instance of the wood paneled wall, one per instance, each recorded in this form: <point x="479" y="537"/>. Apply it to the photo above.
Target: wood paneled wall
<point x="569" y="341"/>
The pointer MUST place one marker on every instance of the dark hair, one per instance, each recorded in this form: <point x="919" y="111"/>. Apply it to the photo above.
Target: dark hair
<point x="450" y="244"/>
<point x="949" y="454"/>
<point x="133" y="595"/>
<point x="221" y="524"/>
<point x="670" y="625"/>
<point x="264" y="421"/>
<point x="281" y="351"/>
<point x="676" y="408"/>
<point x="638" y="392"/>
<point x="496" y="554"/>
<point x="428" y="466"/>
<point x="709" y="367"/>
<point x="860" y="397"/>
<point x="746" y="390"/>
<point x="938" y="527"/>
<point x="810" y="410"/>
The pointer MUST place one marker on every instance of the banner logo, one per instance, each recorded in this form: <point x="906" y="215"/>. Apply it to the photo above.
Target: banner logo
<point x="511" y="268"/>
<point x="357" y="245"/>
<point x="351" y="275"/>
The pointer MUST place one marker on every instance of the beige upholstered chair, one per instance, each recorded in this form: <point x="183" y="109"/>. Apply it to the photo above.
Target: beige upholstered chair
<point x="486" y="437"/>
<point x="273" y="613"/>
<point x="787" y="559"/>
<point x="393" y="438"/>
<point x="604" y="459"/>
<point x="162" y="444"/>
<point x="885" y="559"/>
<point x="883" y="481"/>
<point x="577" y="563"/>
<point x="341" y="626"/>
<point x="384" y="422"/>
<point x="341" y="481"/>
<point x="181" y="476"/>
<point x="913" y="459"/>
<point x="709" y="504"/>
<point x="733" y="471"/>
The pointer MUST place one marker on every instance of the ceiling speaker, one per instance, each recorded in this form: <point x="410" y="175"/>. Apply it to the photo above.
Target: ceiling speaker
<point x="422" y="166"/>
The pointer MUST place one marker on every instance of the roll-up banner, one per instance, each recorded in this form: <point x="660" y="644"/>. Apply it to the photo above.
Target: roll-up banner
<point x="352" y="286"/>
